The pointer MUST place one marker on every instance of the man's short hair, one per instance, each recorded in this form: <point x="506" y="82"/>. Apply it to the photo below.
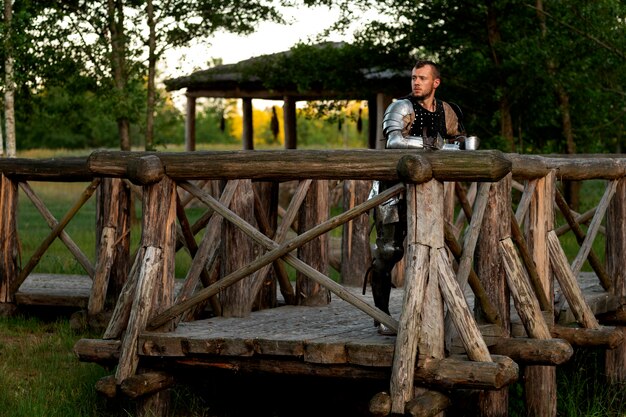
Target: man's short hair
<point x="423" y="62"/>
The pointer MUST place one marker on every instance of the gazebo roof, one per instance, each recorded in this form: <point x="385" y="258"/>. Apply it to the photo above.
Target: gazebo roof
<point x="240" y="80"/>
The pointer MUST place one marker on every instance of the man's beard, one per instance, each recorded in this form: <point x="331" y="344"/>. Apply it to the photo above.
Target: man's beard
<point x="422" y="96"/>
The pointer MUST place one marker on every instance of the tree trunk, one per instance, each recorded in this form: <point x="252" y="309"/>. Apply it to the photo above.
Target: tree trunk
<point x="151" y="75"/>
<point x="494" y="36"/>
<point x="9" y="89"/>
<point x="115" y="9"/>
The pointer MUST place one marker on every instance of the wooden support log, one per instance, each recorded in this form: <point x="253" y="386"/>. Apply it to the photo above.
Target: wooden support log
<point x="145" y="170"/>
<point x="453" y="372"/>
<point x="614" y="318"/>
<point x="121" y="312"/>
<point x="104" y="352"/>
<point x="428" y="404"/>
<point x="469" y="247"/>
<point x="463" y="319"/>
<point x="9" y="244"/>
<point x="593" y="259"/>
<point x="488" y="165"/>
<point x="608" y="337"/>
<point x="146" y="383"/>
<point x="540" y="381"/>
<point x="140" y="311"/>
<point x="68" y="169"/>
<point x="585" y="248"/>
<point x="569" y="285"/>
<point x="285" y="286"/>
<point x="155" y="281"/>
<point x="355" y="254"/>
<point x="524" y="299"/>
<point x="192" y="247"/>
<point x="534" y="351"/>
<point x="615" y="362"/>
<point x="524" y="203"/>
<point x="424" y="231"/>
<point x="106" y="386"/>
<point x="103" y="267"/>
<point x="583" y="218"/>
<point x="529" y="264"/>
<point x="380" y="404"/>
<point x="491" y="314"/>
<point x="315" y="210"/>
<point x="580" y="167"/>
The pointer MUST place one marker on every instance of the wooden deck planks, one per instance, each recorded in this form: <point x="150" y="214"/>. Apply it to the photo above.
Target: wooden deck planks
<point x="333" y="334"/>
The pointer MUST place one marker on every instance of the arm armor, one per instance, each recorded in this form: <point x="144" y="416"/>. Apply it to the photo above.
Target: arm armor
<point x="396" y="123"/>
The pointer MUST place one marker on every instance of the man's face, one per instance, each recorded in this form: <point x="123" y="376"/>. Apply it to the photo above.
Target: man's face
<point x="423" y="84"/>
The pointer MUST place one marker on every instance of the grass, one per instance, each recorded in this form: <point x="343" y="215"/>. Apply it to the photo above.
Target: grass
<point x="39" y="375"/>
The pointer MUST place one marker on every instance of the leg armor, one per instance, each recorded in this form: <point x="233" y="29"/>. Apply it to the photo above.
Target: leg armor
<point x="390" y="221"/>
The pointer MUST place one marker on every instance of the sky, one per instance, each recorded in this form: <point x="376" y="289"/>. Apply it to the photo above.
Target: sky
<point x="268" y="38"/>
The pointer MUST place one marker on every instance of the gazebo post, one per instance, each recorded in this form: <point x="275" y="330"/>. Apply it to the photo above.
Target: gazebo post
<point x="247" y="136"/>
<point x="372" y="124"/>
<point x="382" y="102"/>
<point x="190" y="124"/>
<point x="289" y="120"/>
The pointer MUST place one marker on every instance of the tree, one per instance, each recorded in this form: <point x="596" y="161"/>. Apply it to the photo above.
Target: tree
<point x="9" y="85"/>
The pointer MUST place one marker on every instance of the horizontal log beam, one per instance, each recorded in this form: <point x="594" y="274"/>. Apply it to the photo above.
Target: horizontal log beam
<point x="100" y="351"/>
<point x="575" y="168"/>
<point x="449" y="373"/>
<point x="534" y="351"/>
<point x="455" y="372"/>
<point x="608" y="337"/>
<point x="68" y="169"/>
<point x="146" y="383"/>
<point x="366" y="164"/>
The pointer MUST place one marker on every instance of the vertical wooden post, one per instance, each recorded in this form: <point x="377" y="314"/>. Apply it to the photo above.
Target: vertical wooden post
<point x="247" y="135"/>
<point x="238" y="251"/>
<point x="314" y="211"/>
<point x="113" y="243"/>
<point x="355" y="243"/>
<point x="490" y="268"/>
<point x="424" y="232"/>
<point x="289" y="122"/>
<point x="540" y="381"/>
<point x="190" y="124"/>
<point x="615" y="361"/>
<point x="9" y="243"/>
<point x="268" y="194"/>
<point x="155" y="279"/>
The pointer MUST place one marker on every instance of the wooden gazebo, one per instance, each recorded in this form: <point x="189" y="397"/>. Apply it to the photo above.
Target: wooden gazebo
<point x="378" y="86"/>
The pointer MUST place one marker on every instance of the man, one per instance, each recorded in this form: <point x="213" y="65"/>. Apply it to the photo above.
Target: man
<point x="417" y="121"/>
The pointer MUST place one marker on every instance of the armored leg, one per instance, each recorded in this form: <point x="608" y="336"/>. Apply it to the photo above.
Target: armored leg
<point x="389" y="250"/>
<point x="390" y="222"/>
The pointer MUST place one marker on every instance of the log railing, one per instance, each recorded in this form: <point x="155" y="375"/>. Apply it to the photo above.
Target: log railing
<point x="494" y="232"/>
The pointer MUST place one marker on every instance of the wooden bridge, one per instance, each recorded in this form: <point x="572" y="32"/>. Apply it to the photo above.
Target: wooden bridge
<point x="481" y="218"/>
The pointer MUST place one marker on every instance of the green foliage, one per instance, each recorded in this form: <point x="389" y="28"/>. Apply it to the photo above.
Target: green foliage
<point x="583" y="42"/>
